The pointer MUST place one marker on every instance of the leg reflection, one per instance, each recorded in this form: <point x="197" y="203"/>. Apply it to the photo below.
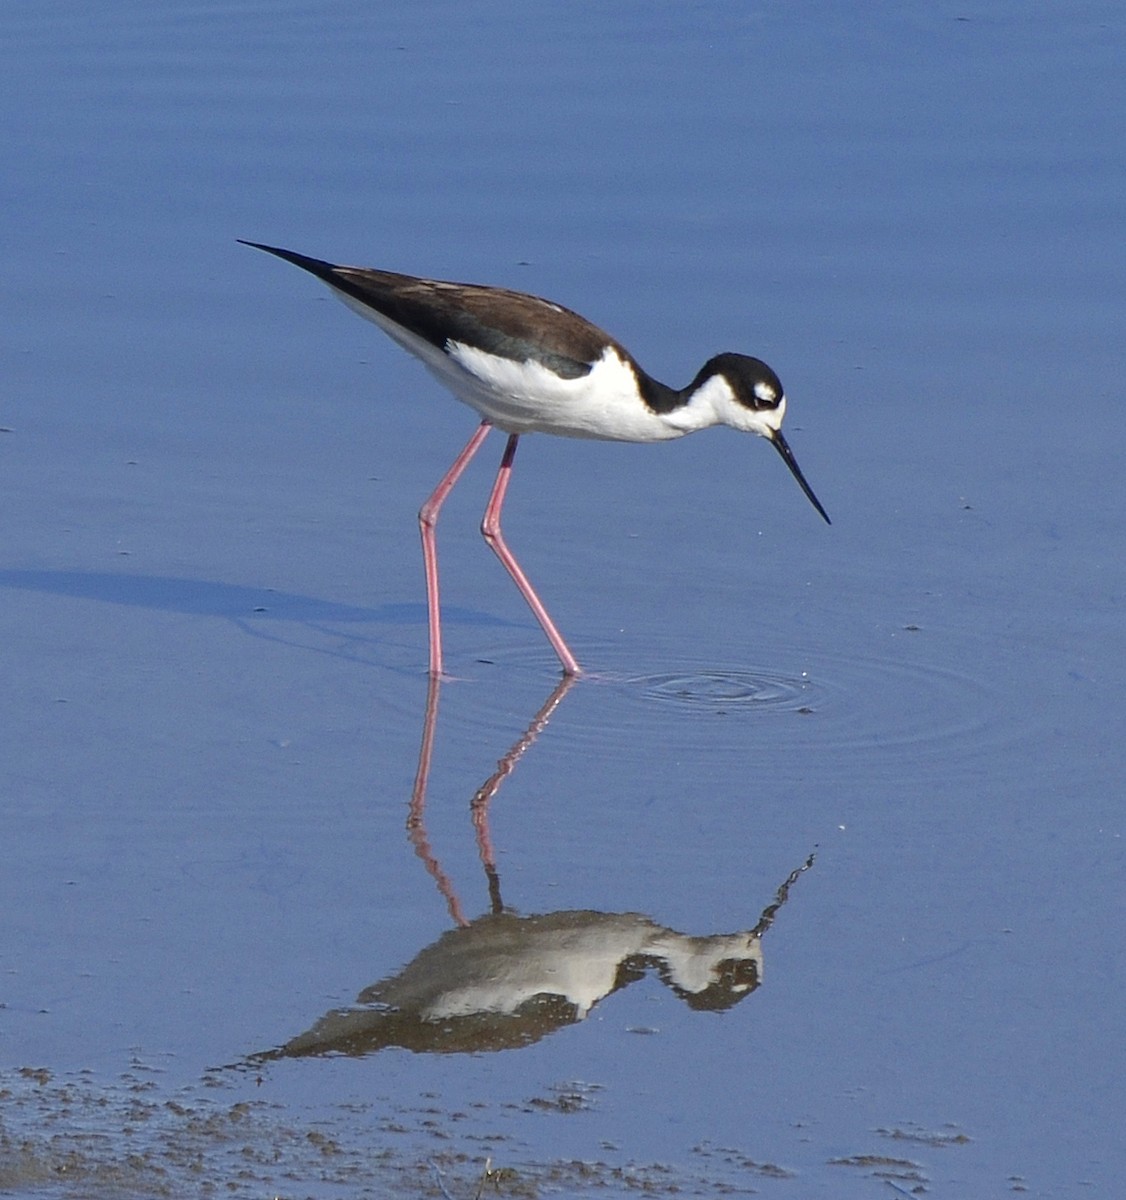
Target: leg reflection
<point x="479" y="805"/>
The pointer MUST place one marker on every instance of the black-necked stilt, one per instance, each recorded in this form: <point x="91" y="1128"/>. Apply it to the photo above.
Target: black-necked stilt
<point x="528" y="365"/>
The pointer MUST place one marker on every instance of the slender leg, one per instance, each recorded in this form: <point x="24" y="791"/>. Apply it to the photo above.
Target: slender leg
<point x="427" y="520"/>
<point x="490" y="529"/>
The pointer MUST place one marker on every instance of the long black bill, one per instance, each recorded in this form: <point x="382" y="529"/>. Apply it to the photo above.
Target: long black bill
<point x="779" y="443"/>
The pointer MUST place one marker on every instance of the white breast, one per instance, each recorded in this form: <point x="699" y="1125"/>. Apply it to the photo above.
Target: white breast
<point x="526" y="397"/>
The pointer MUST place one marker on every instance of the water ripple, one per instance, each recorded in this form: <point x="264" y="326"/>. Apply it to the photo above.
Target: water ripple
<point x="719" y="692"/>
<point x="911" y="700"/>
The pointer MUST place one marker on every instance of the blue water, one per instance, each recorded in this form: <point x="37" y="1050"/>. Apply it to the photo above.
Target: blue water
<point x="212" y="608"/>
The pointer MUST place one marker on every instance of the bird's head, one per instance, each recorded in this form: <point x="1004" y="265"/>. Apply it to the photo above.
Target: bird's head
<point x="747" y="395"/>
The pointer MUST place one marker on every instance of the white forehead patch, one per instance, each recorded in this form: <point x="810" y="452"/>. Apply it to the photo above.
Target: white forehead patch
<point x="765" y="392"/>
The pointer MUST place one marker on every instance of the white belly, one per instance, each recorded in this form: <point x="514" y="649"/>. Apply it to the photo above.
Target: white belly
<point x="526" y="397"/>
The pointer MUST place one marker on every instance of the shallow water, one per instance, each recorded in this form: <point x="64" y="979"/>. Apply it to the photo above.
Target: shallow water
<point x="215" y="825"/>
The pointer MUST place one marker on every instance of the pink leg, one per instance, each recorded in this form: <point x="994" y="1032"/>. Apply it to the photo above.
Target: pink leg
<point x="490" y="528"/>
<point x="427" y="520"/>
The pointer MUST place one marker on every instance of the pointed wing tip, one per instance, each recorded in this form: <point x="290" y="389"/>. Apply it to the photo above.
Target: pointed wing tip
<point x="315" y="266"/>
<point x="262" y="246"/>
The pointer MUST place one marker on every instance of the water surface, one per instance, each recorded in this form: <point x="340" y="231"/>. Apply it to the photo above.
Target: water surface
<point x="214" y="635"/>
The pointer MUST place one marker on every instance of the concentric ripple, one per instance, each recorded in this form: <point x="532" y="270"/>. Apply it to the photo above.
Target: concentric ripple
<point x="916" y="703"/>
<point x="845" y="701"/>
<point x="725" y="691"/>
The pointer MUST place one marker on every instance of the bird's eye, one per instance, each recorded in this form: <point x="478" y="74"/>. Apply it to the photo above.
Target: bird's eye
<point x="766" y="392"/>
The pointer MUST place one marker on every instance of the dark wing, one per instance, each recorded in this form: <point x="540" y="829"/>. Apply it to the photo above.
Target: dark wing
<point x="508" y="324"/>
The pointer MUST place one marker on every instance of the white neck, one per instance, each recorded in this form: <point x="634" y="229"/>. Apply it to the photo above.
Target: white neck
<point x="714" y="403"/>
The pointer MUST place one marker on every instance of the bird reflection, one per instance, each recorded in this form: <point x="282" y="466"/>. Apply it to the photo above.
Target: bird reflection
<point x="502" y="980"/>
